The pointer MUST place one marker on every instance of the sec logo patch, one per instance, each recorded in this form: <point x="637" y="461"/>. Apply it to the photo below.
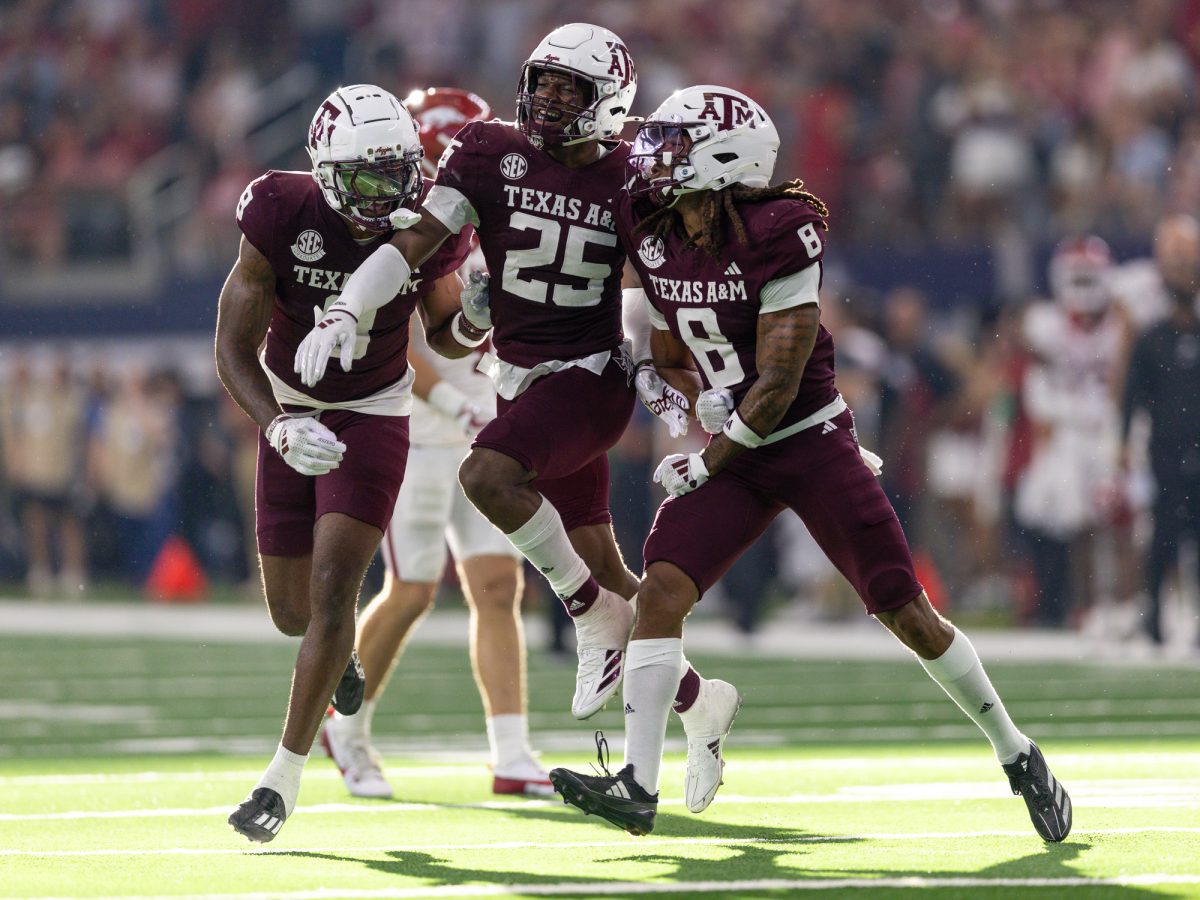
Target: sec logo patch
<point x="513" y="166"/>
<point x="650" y="251"/>
<point x="309" y="246"/>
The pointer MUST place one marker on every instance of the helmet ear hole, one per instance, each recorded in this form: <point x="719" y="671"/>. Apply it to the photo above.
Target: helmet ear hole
<point x="725" y="157"/>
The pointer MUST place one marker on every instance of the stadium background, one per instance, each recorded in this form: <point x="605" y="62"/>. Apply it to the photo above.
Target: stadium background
<point x="955" y="143"/>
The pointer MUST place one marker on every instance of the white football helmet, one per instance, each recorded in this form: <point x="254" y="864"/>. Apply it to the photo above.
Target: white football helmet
<point x="599" y="64"/>
<point x="702" y="138"/>
<point x="1080" y="275"/>
<point x="366" y="155"/>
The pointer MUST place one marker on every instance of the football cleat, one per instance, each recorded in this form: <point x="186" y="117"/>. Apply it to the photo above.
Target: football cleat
<point x="1046" y="799"/>
<point x="260" y="816"/>
<point x="348" y="697"/>
<point x="600" y="638"/>
<point x="359" y="763"/>
<point x="526" y="778"/>
<point x="707" y="725"/>
<point x="617" y="798"/>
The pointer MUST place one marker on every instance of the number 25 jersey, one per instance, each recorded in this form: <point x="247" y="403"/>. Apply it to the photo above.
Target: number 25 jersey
<point x="548" y="233"/>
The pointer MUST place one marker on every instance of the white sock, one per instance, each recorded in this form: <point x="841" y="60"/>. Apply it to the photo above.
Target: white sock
<point x="961" y="675"/>
<point x="652" y="671"/>
<point x="543" y="541"/>
<point x="360" y="722"/>
<point x="283" y="776"/>
<point x="508" y="738"/>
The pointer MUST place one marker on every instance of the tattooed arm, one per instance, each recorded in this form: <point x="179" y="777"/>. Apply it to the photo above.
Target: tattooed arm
<point x="784" y="342"/>
<point x="243" y="315"/>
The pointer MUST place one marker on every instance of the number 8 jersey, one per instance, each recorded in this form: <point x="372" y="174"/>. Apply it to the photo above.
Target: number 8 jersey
<point x="548" y="233"/>
<point x="712" y="305"/>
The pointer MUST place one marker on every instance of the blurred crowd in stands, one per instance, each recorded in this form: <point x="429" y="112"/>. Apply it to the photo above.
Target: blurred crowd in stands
<point x="1005" y="123"/>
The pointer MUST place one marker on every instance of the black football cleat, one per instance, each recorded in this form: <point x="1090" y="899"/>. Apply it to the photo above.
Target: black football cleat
<point x="348" y="698"/>
<point x="617" y="798"/>
<point x="1047" y="800"/>
<point x="260" y="815"/>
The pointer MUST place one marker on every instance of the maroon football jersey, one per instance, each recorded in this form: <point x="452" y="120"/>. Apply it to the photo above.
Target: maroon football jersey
<point x="309" y="246"/>
<point x="712" y="305"/>
<point x="549" y="237"/>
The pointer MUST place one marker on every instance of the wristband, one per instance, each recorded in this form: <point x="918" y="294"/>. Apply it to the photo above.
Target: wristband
<point x="460" y="335"/>
<point x="447" y="399"/>
<point x="741" y="433"/>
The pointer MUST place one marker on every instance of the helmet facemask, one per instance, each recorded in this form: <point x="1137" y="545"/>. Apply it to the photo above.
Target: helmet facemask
<point x="659" y="163"/>
<point x="549" y="121"/>
<point x="369" y="191"/>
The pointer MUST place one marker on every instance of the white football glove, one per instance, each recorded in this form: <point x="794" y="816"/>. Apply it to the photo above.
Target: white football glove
<point x="335" y="332"/>
<point x="681" y="473"/>
<point x="454" y="404"/>
<point x="713" y="408"/>
<point x="305" y="444"/>
<point x="663" y="400"/>
<point x="474" y="300"/>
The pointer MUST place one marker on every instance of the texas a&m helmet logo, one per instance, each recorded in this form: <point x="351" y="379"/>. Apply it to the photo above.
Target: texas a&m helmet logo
<point x="621" y="63"/>
<point x="728" y="111"/>
<point x="651" y="252"/>
<point x="322" y="124"/>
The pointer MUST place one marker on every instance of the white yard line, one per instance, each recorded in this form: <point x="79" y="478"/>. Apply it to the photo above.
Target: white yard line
<point x="1100" y="794"/>
<point x="471" y="769"/>
<point x="355" y="852"/>
<point x="628" y="888"/>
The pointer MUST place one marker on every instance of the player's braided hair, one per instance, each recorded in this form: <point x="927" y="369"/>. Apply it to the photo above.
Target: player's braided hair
<point x="718" y="204"/>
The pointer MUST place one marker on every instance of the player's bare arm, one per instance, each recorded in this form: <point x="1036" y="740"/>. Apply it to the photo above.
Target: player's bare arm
<point x="675" y="364"/>
<point x="785" y="340"/>
<point x="419" y="242"/>
<point x="243" y="315"/>
<point x="438" y="310"/>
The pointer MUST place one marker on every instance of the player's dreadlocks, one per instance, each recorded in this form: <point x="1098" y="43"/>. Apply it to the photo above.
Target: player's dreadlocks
<point x="718" y="204"/>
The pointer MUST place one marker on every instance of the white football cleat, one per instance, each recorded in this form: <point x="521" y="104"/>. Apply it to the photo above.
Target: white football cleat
<point x="601" y="634"/>
<point x="707" y="725"/>
<point x="525" y="777"/>
<point x="360" y="764"/>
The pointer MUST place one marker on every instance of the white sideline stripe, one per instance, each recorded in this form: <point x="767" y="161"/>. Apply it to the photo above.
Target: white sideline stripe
<point x="627" y="888"/>
<point x="937" y="761"/>
<point x="584" y="845"/>
<point x="1093" y="793"/>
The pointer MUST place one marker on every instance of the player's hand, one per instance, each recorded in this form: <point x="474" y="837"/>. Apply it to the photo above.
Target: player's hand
<point x="713" y="408"/>
<point x="335" y="332"/>
<point x="475" y="301"/>
<point x="305" y="444"/>
<point x="663" y="400"/>
<point x="681" y="473"/>
<point x="454" y="404"/>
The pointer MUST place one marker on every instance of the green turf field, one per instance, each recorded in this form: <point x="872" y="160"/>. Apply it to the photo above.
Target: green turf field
<point x="117" y="773"/>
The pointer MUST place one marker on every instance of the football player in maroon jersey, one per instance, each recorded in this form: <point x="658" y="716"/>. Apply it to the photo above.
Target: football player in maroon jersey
<point x="732" y="270"/>
<point x="331" y="457"/>
<point x="541" y="195"/>
<point x="452" y="401"/>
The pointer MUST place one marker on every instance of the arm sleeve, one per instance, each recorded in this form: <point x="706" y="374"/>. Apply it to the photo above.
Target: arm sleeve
<point x="657" y="320"/>
<point x="635" y="322"/>
<point x="798" y="289"/>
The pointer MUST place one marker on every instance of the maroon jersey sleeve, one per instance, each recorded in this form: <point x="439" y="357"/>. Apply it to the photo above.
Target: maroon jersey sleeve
<point x="257" y="212"/>
<point x="790" y="234"/>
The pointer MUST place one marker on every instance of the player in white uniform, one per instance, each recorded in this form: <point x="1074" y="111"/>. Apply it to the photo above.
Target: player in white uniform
<point x="452" y="401"/>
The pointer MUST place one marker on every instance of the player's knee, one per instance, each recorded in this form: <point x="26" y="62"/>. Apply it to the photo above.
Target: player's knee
<point x="288" y="620"/>
<point x="479" y="482"/>
<point x="663" y="604"/>
<point x="919" y="627"/>
<point x="494" y="592"/>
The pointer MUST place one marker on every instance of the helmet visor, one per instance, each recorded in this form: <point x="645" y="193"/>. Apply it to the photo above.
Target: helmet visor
<point x="659" y="154"/>
<point x="372" y="191"/>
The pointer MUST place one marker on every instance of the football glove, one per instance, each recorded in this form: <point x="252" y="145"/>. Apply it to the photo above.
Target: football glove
<point x="663" y="400"/>
<point x="335" y="332"/>
<point x="305" y="444"/>
<point x="474" y="300"/>
<point x="681" y="473"/>
<point x="454" y="404"/>
<point x="713" y="408"/>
